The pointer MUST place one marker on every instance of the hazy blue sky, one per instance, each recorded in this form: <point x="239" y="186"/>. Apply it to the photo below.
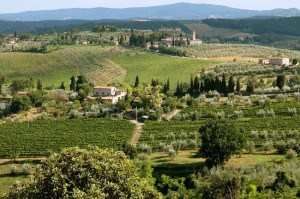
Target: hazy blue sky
<point x="10" y="6"/>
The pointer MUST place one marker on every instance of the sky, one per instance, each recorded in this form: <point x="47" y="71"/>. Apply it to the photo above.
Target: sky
<point x="13" y="6"/>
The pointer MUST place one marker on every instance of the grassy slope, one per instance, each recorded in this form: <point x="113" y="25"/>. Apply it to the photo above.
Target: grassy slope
<point x="152" y="66"/>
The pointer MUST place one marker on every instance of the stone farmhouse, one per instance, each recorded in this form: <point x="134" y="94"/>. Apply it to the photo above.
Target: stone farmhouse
<point x="109" y="93"/>
<point x="275" y="61"/>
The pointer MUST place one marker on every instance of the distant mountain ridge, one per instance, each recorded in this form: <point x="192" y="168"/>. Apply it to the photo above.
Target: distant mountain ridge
<point x="178" y="11"/>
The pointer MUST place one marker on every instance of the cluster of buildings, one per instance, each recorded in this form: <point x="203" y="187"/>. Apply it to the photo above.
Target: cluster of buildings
<point x="170" y="41"/>
<point x="275" y="61"/>
<point x="10" y="39"/>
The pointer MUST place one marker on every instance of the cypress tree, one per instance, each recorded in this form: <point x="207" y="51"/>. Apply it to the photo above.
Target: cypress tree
<point x="231" y="85"/>
<point x="80" y="80"/>
<point x="39" y="85"/>
<point x="218" y="84"/>
<point x="196" y="84"/>
<point x="137" y="81"/>
<point x="73" y="84"/>
<point x="280" y="81"/>
<point x="201" y="87"/>
<point x="62" y="85"/>
<point x="177" y="89"/>
<point x="31" y="82"/>
<point x="168" y="84"/>
<point x="192" y="84"/>
<point x="207" y="84"/>
<point x="250" y="86"/>
<point x="238" y="86"/>
<point x="224" y="87"/>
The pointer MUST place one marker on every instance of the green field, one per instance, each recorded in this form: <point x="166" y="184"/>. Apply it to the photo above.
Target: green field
<point x="151" y="66"/>
<point x="37" y="138"/>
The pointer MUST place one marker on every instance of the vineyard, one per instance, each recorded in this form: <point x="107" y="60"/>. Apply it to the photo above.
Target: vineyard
<point x="185" y="133"/>
<point x="57" y="66"/>
<point x="275" y="121"/>
<point x="151" y="66"/>
<point x="37" y="138"/>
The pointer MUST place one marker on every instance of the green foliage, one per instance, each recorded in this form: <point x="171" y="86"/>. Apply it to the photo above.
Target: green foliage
<point x="40" y="136"/>
<point x="20" y="85"/>
<point x="220" y="140"/>
<point x="129" y="150"/>
<point x="223" y="186"/>
<point x="20" y="103"/>
<point x="85" y="173"/>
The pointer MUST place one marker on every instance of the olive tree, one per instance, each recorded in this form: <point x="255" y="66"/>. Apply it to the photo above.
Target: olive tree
<point x="85" y="173"/>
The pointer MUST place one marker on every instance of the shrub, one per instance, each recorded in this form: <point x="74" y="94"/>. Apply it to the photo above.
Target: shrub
<point x="254" y="134"/>
<point x="26" y="168"/>
<point x="238" y="114"/>
<point x="270" y="113"/>
<point x="263" y="134"/>
<point x="183" y="135"/>
<point x="291" y="154"/>
<point x="145" y="148"/>
<point x="192" y="135"/>
<point x="261" y="113"/>
<point x="267" y="146"/>
<point x="192" y="144"/>
<point x="281" y="147"/>
<point x="171" y="136"/>
<point x="13" y="170"/>
<point x="172" y="153"/>
<point x="161" y="146"/>
<point x="151" y="138"/>
<point x="74" y="114"/>
<point x="250" y="146"/>
<point x="221" y="115"/>
<point x="292" y="111"/>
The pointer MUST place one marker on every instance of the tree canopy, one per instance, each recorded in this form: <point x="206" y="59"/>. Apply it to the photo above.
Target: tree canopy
<point x="85" y="173"/>
<point x="220" y="140"/>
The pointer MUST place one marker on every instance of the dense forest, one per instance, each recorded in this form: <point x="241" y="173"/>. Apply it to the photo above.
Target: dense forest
<point x="43" y="27"/>
<point x="282" y="26"/>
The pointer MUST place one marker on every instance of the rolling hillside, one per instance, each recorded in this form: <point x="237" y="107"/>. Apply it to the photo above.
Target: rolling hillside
<point x="52" y="68"/>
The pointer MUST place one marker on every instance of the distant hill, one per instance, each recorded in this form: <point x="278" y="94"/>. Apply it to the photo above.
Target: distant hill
<point x="281" y="26"/>
<point x="179" y="11"/>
